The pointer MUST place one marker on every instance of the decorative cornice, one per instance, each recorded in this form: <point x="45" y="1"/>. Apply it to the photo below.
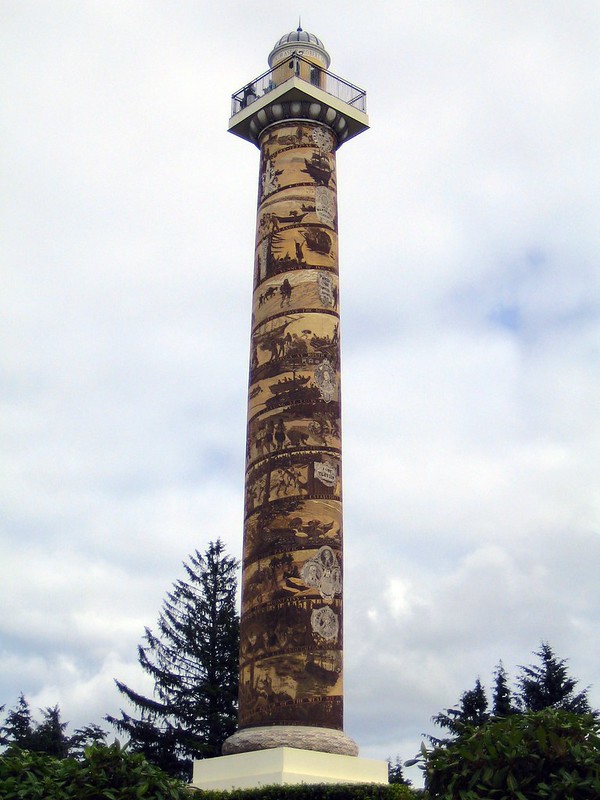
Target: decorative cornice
<point x="297" y="100"/>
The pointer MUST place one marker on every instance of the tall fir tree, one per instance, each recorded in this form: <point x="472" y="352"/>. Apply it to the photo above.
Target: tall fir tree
<point x="395" y="773"/>
<point x="548" y="685"/>
<point x="22" y="731"/>
<point x="193" y="661"/>
<point x="18" y="729"/>
<point x="471" y="711"/>
<point x="49" y="736"/>
<point x="502" y="696"/>
<point x="473" y="706"/>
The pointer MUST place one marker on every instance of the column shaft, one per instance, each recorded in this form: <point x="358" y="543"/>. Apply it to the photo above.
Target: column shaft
<point x="291" y="637"/>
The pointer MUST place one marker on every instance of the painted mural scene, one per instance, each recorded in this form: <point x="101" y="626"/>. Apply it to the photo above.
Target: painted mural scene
<point x="291" y="670"/>
<point x="240" y="685"/>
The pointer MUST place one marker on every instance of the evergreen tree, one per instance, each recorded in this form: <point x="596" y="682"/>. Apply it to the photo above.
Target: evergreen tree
<point x="536" y="755"/>
<point x="85" y="737"/>
<point x="49" y="736"/>
<point x="193" y="661"/>
<point x="18" y="726"/>
<point x="539" y="686"/>
<point x="547" y="685"/>
<point x="502" y="698"/>
<point x="395" y="774"/>
<point x="472" y="710"/>
<point x="474" y="706"/>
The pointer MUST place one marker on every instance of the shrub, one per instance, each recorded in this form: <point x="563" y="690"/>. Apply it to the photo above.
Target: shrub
<point x="106" y="773"/>
<point x="112" y="773"/>
<point x="316" y="792"/>
<point x="545" y="755"/>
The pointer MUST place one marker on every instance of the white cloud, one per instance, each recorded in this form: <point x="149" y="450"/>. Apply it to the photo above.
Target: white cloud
<point x="469" y="241"/>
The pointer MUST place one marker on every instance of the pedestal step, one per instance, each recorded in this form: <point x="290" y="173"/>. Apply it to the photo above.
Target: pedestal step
<point x="285" y="765"/>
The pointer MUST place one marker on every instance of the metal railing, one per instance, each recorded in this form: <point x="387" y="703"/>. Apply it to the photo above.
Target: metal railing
<point x="296" y="66"/>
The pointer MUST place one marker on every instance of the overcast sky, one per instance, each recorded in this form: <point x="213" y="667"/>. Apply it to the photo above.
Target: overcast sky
<point x="469" y="248"/>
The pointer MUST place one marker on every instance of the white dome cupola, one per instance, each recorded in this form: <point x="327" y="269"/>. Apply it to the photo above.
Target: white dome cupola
<point x="302" y="43"/>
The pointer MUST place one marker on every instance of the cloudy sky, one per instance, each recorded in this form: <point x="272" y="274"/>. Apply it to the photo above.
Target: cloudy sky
<point x="471" y="307"/>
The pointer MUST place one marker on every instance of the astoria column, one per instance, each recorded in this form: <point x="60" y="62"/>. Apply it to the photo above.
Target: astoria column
<point x="291" y="692"/>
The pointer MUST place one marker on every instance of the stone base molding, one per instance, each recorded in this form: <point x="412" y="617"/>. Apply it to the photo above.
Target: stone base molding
<point x="325" y="740"/>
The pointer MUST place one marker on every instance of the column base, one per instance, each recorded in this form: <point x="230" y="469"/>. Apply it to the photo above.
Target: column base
<point x="285" y="765"/>
<point x="301" y="737"/>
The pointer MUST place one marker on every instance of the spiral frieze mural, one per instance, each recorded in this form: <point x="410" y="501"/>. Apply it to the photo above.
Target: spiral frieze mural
<point x="291" y="638"/>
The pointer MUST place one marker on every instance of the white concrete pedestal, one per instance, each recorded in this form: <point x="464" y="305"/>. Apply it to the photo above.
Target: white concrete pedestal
<point x="281" y="765"/>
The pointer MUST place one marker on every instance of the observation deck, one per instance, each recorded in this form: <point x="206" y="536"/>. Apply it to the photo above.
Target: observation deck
<point x="297" y="88"/>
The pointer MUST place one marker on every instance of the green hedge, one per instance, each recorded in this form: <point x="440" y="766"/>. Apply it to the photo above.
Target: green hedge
<point x="112" y="773"/>
<point x="543" y="755"/>
<point x="394" y="791"/>
<point x="106" y="773"/>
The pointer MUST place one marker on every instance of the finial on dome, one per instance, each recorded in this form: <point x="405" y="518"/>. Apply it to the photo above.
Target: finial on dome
<point x="299" y="28"/>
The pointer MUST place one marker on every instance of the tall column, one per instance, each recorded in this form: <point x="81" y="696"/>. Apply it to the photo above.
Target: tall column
<point x="291" y="659"/>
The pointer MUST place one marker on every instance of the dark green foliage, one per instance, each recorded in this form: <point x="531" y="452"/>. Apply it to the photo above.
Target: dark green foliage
<point x="113" y="773"/>
<point x="85" y="737"/>
<point x="395" y="774"/>
<point x="472" y="710"/>
<point x="193" y="662"/>
<point x="502" y="700"/>
<point x="123" y="775"/>
<point x="545" y="748"/>
<point x="473" y="706"/>
<point x="18" y="725"/>
<point x="49" y="736"/>
<point x="106" y="773"/>
<point x="544" y="755"/>
<point x="361" y="791"/>
<point x="543" y="685"/>
<point x="547" y="685"/>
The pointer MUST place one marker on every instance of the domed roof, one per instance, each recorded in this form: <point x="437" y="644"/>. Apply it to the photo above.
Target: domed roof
<point x="299" y="36"/>
<point x="302" y="38"/>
